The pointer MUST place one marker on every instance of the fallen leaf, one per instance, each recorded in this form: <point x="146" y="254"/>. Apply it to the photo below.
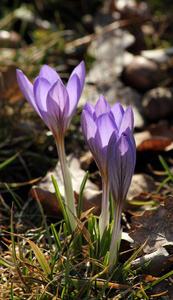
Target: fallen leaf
<point x="159" y="261"/>
<point x="156" y="226"/>
<point x="46" y="194"/>
<point x="163" y="289"/>
<point x="8" y="85"/>
<point x="158" y="137"/>
<point x="48" y="200"/>
<point x="141" y="189"/>
<point x="139" y="184"/>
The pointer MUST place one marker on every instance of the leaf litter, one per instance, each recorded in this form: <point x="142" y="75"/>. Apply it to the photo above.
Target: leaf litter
<point x="153" y="227"/>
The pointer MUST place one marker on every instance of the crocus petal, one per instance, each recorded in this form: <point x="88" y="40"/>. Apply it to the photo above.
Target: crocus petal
<point x="127" y="120"/>
<point x="105" y="126"/>
<point x="26" y="88"/>
<point x="117" y="112"/>
<point x="90" y="109"/>
<point x="88" y="125"/>
<point x="129" y="135"/>
<point x="48" y="73"/>
<point x="101" y="106"/>
<point x="57" y="104"/>
<point x="74" y="92"/>
<point x="41" y="87"/>
<point x="89" y="129"/>
<point x="80" y="72"/>
<point x="120" y="166"/>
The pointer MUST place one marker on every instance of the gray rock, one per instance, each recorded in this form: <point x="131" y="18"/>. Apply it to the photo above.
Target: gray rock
<point x="142" y="73"/>
<point x="157" y="103"/>
<point x="158" y="55"/>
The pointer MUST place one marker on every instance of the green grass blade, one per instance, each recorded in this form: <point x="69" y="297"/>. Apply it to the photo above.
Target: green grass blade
<point x="162" y="184"/>
<point x="40" y="257"/>
<point x="8" y="161"/>
<point x="44" y="220"/>
<point x="63" y="208"/>
<point x="12" y="238"/>
<point x="15" y="198"/>
<point x="81" y="194"/>
<point x="56" y="237"/>
<point x="159" y="280"/>
<point x="6" y="263"/>
<point x="164" y="164"/>
<point x="127" y="264"/>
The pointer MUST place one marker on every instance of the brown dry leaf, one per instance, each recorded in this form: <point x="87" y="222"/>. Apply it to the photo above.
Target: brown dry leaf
<point x="48" y="201"/>
<point x="141" y="188"/>
<point x="156" y="226"/>
<point x="139" y="184"/>
<point x="46" y="195"/>
<point x="163" y="289"/>
<point x="158" y="137"/>
<point x="159" y="261"/>
<point x="8" y="85"/>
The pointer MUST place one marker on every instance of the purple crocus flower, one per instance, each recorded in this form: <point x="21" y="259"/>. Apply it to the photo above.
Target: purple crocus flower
<point x="56" y="104"/>
<point x="98" y="123"/>
<point x="121" y="163"/>
<point x="49" y="97"/>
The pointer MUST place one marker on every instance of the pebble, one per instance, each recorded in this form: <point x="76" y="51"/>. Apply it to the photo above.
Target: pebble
<point x="157" y="103"/>
<point x="142" y="73"/>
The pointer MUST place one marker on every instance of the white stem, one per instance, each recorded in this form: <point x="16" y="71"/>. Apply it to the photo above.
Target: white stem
<point x="104" y="217"/>
<point x="68" y="188"/>
<point x="116" y="236"/>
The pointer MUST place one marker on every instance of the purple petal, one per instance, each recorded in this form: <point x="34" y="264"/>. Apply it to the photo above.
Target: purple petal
<point x="117" y="113"/>
<point x="127" y="120"/>
<point x="57" y="104"/>
<point x="74" y="92"/>
<point x="130" y="138"/>
<point x="89" y="108"/>
<point x="48" y="73"/>
<point x="26" y="88"/>
<point x="88" y="125"/>
<point x="41" y="87"/>
<point x="105" y="127"/>
<point x="102" y="106"/>
<point x="120" y="166"/>
<point x="93" y="140"/>
<point x="80" y="72"/>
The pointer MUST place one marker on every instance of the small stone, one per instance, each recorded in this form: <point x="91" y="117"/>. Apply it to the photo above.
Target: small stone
<point x="142" y="73"/>
<point x="157" y="103"/>
<point x="88" y="22"/>
<point x="9" y="39"/>
<point x="160" y="56"/>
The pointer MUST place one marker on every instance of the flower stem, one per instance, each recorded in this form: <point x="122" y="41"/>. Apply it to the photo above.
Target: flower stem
<point x="116" y="236"/>
<point x="104" y="217"/>
<point x="68" y="188"/>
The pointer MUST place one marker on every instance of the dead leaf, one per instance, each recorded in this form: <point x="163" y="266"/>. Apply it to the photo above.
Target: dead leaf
<point x="139" y="184"/>
<point x="48" y="201"/>
<point x="141" y="189"/>
<point x="159" y="261"/>
<point x="156" y="226"/>
<point x="46" y="194"/>
<point x="163" y="289"/>
<point x="9" y="89"/>
<point x="158" y="137"/>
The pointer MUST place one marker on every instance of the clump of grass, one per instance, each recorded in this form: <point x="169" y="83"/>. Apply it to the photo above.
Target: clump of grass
<point x="52" y="263"/>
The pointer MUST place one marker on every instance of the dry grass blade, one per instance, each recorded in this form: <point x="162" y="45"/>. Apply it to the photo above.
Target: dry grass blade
<point x="40" y="257"/>
<point x="38" y="253"/>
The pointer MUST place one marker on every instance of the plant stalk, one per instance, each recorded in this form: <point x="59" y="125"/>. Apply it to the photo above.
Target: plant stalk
<point x="68" y="188"/>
